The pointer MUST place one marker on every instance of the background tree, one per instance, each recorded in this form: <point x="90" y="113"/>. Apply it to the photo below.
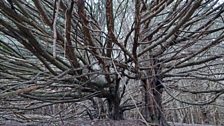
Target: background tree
<point x="98" y="52"/>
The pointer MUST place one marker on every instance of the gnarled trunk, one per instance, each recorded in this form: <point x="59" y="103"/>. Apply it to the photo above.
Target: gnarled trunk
<point x="152" y="109"/>
<point x="152" y="94"/>
<point x="115" y="111"/>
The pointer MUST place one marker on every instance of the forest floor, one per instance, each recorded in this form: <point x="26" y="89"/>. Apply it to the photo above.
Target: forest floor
<point x="84" y="122"/>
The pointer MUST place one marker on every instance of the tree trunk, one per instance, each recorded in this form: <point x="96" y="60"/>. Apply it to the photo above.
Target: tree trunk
<point x="115" y="111"/>
<point x="152" y="109"/>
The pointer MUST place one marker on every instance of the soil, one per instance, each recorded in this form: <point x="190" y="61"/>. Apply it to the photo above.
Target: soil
<point x="80" y="122"/>
<point x="86" y="122"/>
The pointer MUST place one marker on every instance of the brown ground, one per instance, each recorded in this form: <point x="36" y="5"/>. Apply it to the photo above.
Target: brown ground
<point x="80" y="122"/>
<point x="83" y="122"/>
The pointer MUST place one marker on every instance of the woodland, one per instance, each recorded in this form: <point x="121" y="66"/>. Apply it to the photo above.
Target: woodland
<point x="112" y="62"/>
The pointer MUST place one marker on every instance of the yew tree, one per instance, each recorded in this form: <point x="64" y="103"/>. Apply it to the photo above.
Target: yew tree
<point x="69" y="51"/>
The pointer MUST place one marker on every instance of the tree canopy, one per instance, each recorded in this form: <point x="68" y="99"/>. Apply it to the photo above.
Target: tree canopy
<point x="117" y="54"/>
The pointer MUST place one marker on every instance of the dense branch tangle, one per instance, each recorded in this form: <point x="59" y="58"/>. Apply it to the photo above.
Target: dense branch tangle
<point x="75" y="50"/>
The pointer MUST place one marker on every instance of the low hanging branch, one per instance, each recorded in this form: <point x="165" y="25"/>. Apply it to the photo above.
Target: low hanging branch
<point x="156" y="43"/>
<point x="55" y="28"/>
<point x="69" y="49"/>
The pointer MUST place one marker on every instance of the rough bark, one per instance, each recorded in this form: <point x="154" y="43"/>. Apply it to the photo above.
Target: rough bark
<point x="152" y="95"/>
<point x="115" y="111"/>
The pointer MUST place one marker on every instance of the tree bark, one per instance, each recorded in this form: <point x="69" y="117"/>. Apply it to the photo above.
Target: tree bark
<point x="152" y="95"/>
<point x="152" y="109"/>
<point x="115" y="111"/>
<point x="114" y="99"/>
